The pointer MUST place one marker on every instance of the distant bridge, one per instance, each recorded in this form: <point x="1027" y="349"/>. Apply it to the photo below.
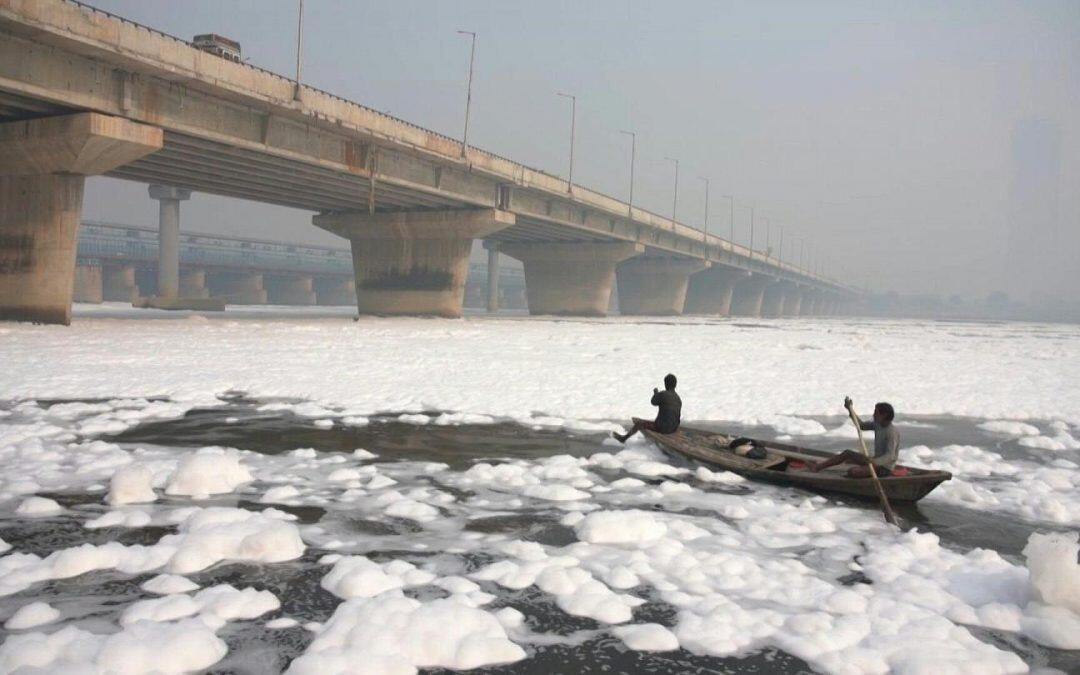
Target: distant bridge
<point x="84" y="92"/>
<point x="119" y="262"/>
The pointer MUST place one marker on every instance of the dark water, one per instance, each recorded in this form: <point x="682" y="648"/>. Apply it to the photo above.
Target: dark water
<point x="100" y="596"/>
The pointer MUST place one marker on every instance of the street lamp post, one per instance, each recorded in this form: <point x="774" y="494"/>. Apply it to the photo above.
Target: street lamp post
<point x="780" y="254"/>
<point x="633" y="150"/>
<point x="468" y="90"/>
<point x="675" y="199"/>
<point x="705" y="222"/>
<point x="768" y="244"/>
<point x="731" y="219"/>
<point x="751" y="232"/>
<point x="299" y="47"/>
<point x="573" y="124"/>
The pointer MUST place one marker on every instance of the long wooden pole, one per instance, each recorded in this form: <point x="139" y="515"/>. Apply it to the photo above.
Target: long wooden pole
<point x="890" y="516"/>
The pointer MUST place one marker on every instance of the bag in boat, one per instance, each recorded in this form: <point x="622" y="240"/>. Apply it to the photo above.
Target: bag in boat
<point x="748" y="447"/>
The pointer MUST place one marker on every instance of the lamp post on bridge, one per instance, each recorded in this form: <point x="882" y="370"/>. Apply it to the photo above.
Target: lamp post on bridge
<point x="468" y="90"/>
<point x="573" y="124"/>
<point x="731" y="219"/>
<point x="768" y="244"/>
<point x="633" y="149"/>
<point x="751" y="232"/>
<point x="675" y="199"/>
<point x="780" y="254"/>
<point x="299" y="47"/>
<point x="705" y="223"/>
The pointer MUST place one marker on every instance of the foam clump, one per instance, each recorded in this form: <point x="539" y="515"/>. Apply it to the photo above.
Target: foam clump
<point x="394" y="634"/>
<point x="210" y="471"/>
<point x="168" y="584"/>
<point x="1055" y="572"/>
<point x="359" y="577"/>
<point x="34" y="614"/>
<point x="215" y="606"/>
<point x="620" y="527"/>
<point x="1009" y="428"/>
<point x="35" y="507"/>
<point x="215" y="534"/>
<point x="647" y="637"/>
<point x="131" y="484"/>
<point x="1052" y="617"/>
<point x="144" y="647"/>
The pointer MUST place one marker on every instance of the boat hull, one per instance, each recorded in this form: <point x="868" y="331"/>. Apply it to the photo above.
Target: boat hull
<point x="710" y="449"/>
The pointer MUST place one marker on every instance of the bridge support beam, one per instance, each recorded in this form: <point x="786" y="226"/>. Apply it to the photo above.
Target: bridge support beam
<point x="238" y="288"/>
<point x="793" y="298"/>
<point x="413" y="262"/>
<point x="193" y="284"/>
<point x="88" y="283"/>
<point x="335" y="291"/>
<point x="655" y="286"/>
<point x="772" y="301"/>
<point x="290" y="290"/>
<point x="573" y="279"/>
<point x="710" y="292"/>
<point x="118" y="283"/>
<point x="492" y="277"/>
<point x="43" y="164"/>
<point x="750" y="294"/>
<point x="168" y="272"/>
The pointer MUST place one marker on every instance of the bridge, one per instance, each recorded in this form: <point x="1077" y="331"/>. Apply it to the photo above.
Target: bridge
<point x="118" y="262"/>
<point x="83" y="92"/>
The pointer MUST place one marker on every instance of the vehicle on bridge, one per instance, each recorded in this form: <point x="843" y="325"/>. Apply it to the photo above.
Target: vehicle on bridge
<point x="218" y="45"/>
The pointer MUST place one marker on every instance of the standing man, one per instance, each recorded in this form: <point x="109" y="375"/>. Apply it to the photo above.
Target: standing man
<point x="886" y="446"/>
<point x="668" y="416"/>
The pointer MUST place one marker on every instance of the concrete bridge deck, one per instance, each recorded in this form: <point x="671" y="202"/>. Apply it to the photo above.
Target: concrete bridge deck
<point x="410" y="200"/>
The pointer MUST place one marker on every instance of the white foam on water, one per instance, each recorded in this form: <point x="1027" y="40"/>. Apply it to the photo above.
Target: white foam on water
<point x="32" y="615"/>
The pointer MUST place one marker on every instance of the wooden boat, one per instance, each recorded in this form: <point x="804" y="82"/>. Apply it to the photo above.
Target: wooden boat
<point x="788" y="465"/>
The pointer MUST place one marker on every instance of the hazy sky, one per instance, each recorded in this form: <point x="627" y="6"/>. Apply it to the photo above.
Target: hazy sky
<point x="881" y="132"/>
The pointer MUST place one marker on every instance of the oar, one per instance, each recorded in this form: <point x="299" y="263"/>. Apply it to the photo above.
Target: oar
<point x="890" y="516"/>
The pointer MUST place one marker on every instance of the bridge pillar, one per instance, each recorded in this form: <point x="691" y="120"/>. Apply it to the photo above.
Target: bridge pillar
<point x="750" y="294"/>
<point x="238" y="288"/>
<point x="168" y="272"/>
<point x="335" y="291"/>
<point x="118" y="283"/>
<point x="43" y="164"/>
<point x="654" y="286"/>
<point x="711" y="290"/>
<point x="793" y="298"/>
<point x="413" y="262"/>
<point x="492" y="276"/>
<point x="772" y="301"/>
<point x="88" y="282"/>
<point x="290" y="289"/>
<point x="570" y="278"/>
<point x="193" y="284"/>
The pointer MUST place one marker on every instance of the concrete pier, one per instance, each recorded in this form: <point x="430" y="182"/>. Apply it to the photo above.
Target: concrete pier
<point x="43" y="164"/>
<point x="413" y="262"/>
<point x="793" y="297"/>
<point x="88" y="283"/>
<point x="493" y="277"/>
<point x="238" y="288"/>
<point x="655" y="286"/>
<point x="710" y="291"/>
<point x="772" y="301"/>
<point x="570" y="278"/>
<point x="118" y="283"/>
<point x="193" y="284"/>
<point x="749" y="295"/>
<point x="290" y="289"/>
<point x="168" y="271"/>
<point x="335" y="291"/>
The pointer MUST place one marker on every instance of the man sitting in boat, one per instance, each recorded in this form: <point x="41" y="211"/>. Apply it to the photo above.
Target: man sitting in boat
<point x="886" y="446"/>
<point x="667" y="417"/>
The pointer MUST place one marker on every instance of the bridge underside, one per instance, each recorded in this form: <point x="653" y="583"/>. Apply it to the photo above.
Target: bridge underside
<point x="235" y="130"/>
